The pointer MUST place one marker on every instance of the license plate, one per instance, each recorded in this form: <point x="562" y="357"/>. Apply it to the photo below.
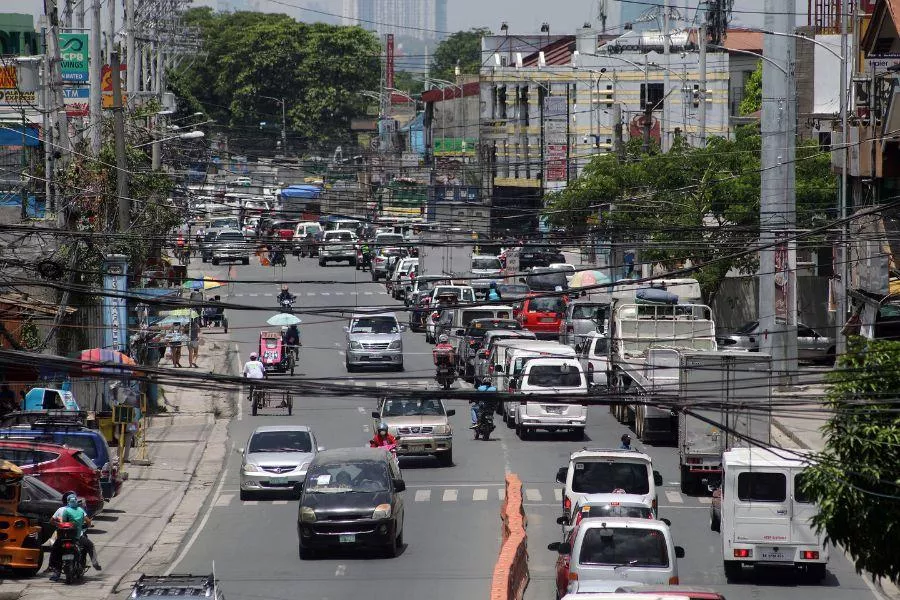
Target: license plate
<point x="415" y="448"/>
<point x="546" y="320"/>
<point x="773" y="556"/>
<point x="348" y="538"/>
<point x="68" y="557"/>
<point x="278" y="480"/>
<point x="554" y="410"/>
<point x="5" y="559"/>
<point x="375" y="357"/>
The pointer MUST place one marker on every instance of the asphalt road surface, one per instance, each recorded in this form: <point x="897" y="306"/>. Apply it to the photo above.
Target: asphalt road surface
<point x="452" y="528"/>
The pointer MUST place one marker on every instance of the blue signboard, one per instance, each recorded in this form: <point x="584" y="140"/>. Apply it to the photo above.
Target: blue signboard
<point x="115" y="313"/>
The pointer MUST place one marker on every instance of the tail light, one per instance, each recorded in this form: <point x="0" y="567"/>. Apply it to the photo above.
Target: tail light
<point x="567" y="505"/>
<point x="68" y="545"/>
<point x="490" y="369"/>
<point x="809" y="555"/>
<point x="743" y="553"/>
<point x="655" y="505"/>
<point x="573" y="576"/>
<point x="673" y="580"/>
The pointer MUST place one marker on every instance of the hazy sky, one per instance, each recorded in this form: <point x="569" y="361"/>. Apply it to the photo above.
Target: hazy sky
<point x="523" y="16"/>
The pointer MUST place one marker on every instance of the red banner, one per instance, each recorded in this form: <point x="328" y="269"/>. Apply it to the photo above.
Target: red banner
<point x="389" y="77"/>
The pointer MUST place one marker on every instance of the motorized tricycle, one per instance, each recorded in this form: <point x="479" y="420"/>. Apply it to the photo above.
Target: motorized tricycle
<point x="20" y="546"/>
<point x="274" y="354"/>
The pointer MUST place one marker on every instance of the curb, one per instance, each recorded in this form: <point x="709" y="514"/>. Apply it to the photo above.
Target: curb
<point x="789" y="434"/>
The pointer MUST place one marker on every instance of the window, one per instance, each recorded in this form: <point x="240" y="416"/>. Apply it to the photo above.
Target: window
<point x="652" y="95"/>
<point x="762" y="487"/>
<point x="601" y="348"/>
<point x="800" y="494"/>
<point x="593" y="477"/>
<point x="563" y="375"/>
<point x="620" y="546"/>
<point x="804" y="331"/>
<point x="86" y="461"/>
<point x="407" y="407"/>
<point x="546" y="304"/>
<point x="375" y="325"/>
<point x="25" y="457"/>
<point x="587" y="311"/>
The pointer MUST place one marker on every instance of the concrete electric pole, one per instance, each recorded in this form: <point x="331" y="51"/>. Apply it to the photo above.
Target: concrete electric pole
<point x="96" y="62"/>
<point x="121" y="162"/>
<point x="777" y="260"/>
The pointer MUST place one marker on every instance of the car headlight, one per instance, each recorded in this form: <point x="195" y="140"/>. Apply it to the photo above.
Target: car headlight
<point x="395" y="345"/>
<point x="251" y="468"/>
<point x="382" y="511"/>
<point x="355" y="346"/>
<point x="303" y="467"/>
<point x="441" y="429"/>
<point x="307" y="515"/>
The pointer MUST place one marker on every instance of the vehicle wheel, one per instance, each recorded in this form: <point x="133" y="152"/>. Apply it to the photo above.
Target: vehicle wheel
<point x="446" y="458"/>
<point x="688" y="484"/>
<point x="255" y="408"/>
<point x="292" y="368"/>
<point x="733" y="570"/>
<point x="393" y="549"/>
<point x="715" y="523"/>
<point x="290" y="406"/>
<point x="348" y="366"/>
<point x="446" y="383"/>
<point x="829" y="360"/>
<point x="25" y="573"/>
<point x="353" y="262"/>
<point x="245" y="261"/>
<point x="225" y="325"/>
<point x="244" y="496"/>
<point x="815" y="573"/>
<point x="487" y="435"/>
<point x="203" y="258"/>
<point x="510" y="421"/>
<point x="215" y="261"/>
<point x="321" y="263"/>
<point x="578" y="434"/>
<point x="400" y="367"/>
<point x="356" y="266"/>
<point x="306" y="553"/>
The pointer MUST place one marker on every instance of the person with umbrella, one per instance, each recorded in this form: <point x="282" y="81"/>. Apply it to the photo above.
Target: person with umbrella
<point x="175" y="339"/>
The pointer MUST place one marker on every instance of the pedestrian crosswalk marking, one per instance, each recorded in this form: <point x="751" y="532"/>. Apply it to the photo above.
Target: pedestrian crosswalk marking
<point x="251" y="502"/>
<point x="479" y="494"/>
<point x="674" y="497"/>
<point x="280" y="502"/>
<point x="224" y="499"/>
<point x="704" y="500"/>
<point x="339" y="293"/>
<point x="423" y="495"/>
<point x="557" y="494"/>
<point x="450" y="495"/>
<point x="533" y="495"/>
<point x="501" y="494"/>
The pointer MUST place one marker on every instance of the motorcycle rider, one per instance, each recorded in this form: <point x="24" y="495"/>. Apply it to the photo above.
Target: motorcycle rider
<point x="72" y="513"/>
<point x="626" y="442"/>
<point x="382" y="437"/>
<point x="290" y="337"/>
<point x="443" y="352"/>
<point x="285" y="295"/>
<point x="493" y="294"/>
<point x="254" y="369"/>
<point x="478" y="404"/>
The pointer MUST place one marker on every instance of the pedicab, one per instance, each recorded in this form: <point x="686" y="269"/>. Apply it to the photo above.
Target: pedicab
<point x="276" y="358"/>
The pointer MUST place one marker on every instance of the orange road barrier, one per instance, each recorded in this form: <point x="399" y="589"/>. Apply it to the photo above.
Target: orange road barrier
<point x="511" y="571"/>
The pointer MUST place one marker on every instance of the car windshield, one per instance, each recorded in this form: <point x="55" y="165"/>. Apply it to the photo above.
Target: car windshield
<point x="554" y="376"/>
<point x="587" y="311"/>
<point x="624" y="546"/>
<point x="390" y="238"/>
<point x="224" y="223"/>
<point x="595" y="477"/>
<point x="470" y="315"/>
<point x="617" y="510"/>
<point x="280" y="441"/>
<point x="337" y="478"/>
<point x="375" y="325"/>
<point x="405" y="407"/>
<point x="512" y="289"/>
<point x="339" y="237"/>
<point x="550" y="304"/>
<point x="748" y="328"/>
<point x="486" y="264"/>
<point x="478" y="328"/>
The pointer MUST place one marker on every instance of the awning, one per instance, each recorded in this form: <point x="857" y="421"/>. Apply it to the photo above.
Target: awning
<point x="28" y="304"/>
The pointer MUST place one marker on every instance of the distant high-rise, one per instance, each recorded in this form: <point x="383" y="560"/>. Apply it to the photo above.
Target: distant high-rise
<point x="418" y="19"/>
<point x="630" y="11"/>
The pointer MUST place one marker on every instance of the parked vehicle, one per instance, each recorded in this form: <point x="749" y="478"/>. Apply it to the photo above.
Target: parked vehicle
<point x="20" y="545"/>
<point x="337" y="245"/>
<point x="481" y="360"/>
<point x="276" y="459"/>
<point x="765" y="516"/>
<point x="539" y="379"/>
<point x="593" y="354"/>
<point x="63" y="469"/>
<point x="230" y="246"/>
<point x="374" y="340"/>
<point x="38" y="502"/>
<point x="351" y="497"/>
<point x="811" y="345"/>
<point x="633" y="550"/>
<point x="470" y="342"/>
<point x="606" y="471"/>
<point x="542" y="315"/>
<point x="581" y="318"/>
<point x="421" y="426"/>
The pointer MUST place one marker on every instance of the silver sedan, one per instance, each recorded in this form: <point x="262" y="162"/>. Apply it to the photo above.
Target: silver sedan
<point x="811" y="345"/>
<point x="276" y="459"/>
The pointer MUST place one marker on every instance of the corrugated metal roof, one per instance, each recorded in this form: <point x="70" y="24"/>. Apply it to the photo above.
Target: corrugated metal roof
<point x="558" y="52"/>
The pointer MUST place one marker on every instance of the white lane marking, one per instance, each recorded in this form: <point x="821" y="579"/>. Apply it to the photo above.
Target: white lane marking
<point x="423" y="495"/>
<point x="281" y="502"/>
<point x="704" y="500"/>
<point x="501" y="494"/>
<point x="361" y="409"/>
<point x="368" y="293"/>
<point x="365" y="429"/>
<point x="557" y="494"/>
<point x="267" y="295"/>
<point x="310" y="293"/>
<point x="339" y="293"/>
<point x="253" y="295"/>
<point x="202" y="524"/>
<point x="533" y="495"/>
<point x="324" y="293"/>
<point x="224" y="499"/>
<point x="251" y="502"/>
<point x="450" y="495"/>
<point x="479" y="495"/>
<point x="342" y="353"/>
<point x="674" y="497"/>
<point x="340" y="570"/>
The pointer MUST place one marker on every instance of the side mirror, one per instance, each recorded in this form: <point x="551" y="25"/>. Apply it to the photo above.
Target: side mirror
<point x="402" y="328"/>
<point x="554" y="546"/>
<point x="564" y="548"/>
<point x="346" y="330"/>
<point x="667" y="522"/>
<point x="320" y="449"/>
<point x="561" y="474"/>
<point x="400" y="486"/>
<point x="375" y="414"/>
<point x="451" y="412"/>
<point x="562" y="521"/>
<point x="679" y="552"/>
<point x="657" y="478"/>
<point x="239" y="450"/>
<point x="521" y="280"/>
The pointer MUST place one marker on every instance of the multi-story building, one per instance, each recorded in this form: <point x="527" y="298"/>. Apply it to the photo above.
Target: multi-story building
<point x="630" y="12"/>
<point x="421" y="20"/>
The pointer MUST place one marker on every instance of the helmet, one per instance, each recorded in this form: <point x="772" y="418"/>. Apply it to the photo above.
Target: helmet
<point x="65" y="497"/>
<point x="626" y="439"/>
<point x="382" y="427"/>
<point x="443" y="339"/>
<point x="284" y="328"/>
<point x="493" y="284"/>
<point x="254" y="356"/>
<point x="284" y="288"/>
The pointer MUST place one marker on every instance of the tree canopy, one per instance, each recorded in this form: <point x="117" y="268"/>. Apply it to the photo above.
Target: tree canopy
<point x="697" y="204"/>
<point x="752" y="100"/>
<point x="462" y="48"/>
<point x="318" y="69"/>
<point x="856" y="479"/>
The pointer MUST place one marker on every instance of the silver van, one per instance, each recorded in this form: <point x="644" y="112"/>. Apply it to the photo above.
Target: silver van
<point x="582" y="317"/>
<point x="374" y="340"/>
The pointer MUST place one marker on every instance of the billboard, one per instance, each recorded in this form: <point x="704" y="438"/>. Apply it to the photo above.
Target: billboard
<point x="115" y="315"/>
<point x="77" y="101"/>
<point x="73" y="53"/>
<point x="106" y="87"/>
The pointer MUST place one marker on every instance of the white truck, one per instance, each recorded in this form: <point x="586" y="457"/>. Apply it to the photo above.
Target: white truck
<point x="635" y="329"/>
<point x="764" y="514"/>
<point x="446" y="253"/>
<point x="724" y="400"/>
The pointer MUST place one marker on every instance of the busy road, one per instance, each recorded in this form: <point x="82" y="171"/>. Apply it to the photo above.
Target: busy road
<point x="452" y="527"/>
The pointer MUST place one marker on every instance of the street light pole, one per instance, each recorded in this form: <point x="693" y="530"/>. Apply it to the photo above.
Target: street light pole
<point x="283" y="121"/>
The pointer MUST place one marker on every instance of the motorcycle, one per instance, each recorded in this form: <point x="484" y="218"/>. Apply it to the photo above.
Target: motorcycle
<point x="287" y="304"/>
<point x="278" y="259"/>
<point x="73" y="557"/>
<point x="485" y="423"/>
<point x="445" y="370"/>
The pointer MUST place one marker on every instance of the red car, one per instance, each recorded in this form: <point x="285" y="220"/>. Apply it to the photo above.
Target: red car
<point x="541" y="315"/>
<point x="62" y="468"/>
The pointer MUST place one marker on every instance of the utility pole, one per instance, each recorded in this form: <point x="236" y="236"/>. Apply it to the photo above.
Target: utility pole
<point x="55" y="103"/>
<point x="156" y="150"/>
<point x="664" y="120"/>
<point x="79" y="15"/>
<point x="111" y="39"/>
<point x="119" y="127"/>
<point x="777" y="260"/>
<point x="283" y="128"/>
<point x="618" y="145"/>
<point x="841" y="269"/>
<point x="648" y="108"/>
<point x="131" y="79"/>
<point x="702" y="108"/>
<point x="96" y="62"/>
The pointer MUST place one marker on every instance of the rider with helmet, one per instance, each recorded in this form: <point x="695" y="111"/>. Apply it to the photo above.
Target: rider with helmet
<point x="382" y="437"/>
<point x="493" y="294"/>
<point x="626" y="442"/>
<point x="444" y="352"/>
<point x="285" y="295"/>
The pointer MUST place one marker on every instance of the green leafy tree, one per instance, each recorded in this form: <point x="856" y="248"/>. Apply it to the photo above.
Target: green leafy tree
<point x="317" y="69"/>
<point x="856" y="479"/>
<point x="752" y="100"/>
<point x="405" y="81"/>
<point x="462" y="49"/>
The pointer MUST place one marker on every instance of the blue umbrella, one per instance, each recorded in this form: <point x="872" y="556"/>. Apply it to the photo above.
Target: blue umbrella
<point x="283" y="319"/>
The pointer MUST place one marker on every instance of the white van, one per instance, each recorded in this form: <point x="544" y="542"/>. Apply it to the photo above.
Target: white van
<point x="764" y="516"/>
<point x="550" y="377"/>
<point x="512" y="359"/>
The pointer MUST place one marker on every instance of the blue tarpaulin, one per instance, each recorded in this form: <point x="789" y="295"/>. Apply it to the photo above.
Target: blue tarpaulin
<point x="11" y="135"/>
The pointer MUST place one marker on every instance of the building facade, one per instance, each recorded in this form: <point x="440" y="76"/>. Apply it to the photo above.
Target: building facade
<point x="420" y="20"/>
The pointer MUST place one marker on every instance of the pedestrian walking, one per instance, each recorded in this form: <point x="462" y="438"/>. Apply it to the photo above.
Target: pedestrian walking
<point x="194" y="342"/>
<point x="176" y="338"/>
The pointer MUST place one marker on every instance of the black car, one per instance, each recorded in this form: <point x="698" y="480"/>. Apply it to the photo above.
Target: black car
<point x="351" y="498"/>
<point x="471" y="341"/>
<point x="539" y="256"/>
<point x="544" y="279"/>
<point x="510" y="293"/>
<point x="38" y="502"/>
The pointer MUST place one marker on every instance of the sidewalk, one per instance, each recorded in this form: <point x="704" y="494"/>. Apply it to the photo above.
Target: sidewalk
<point x="186" y="448"/>
<point x="800" y="427"/>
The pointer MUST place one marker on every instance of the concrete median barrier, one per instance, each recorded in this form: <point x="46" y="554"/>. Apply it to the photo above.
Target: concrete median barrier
<point x="511" y="571"/>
